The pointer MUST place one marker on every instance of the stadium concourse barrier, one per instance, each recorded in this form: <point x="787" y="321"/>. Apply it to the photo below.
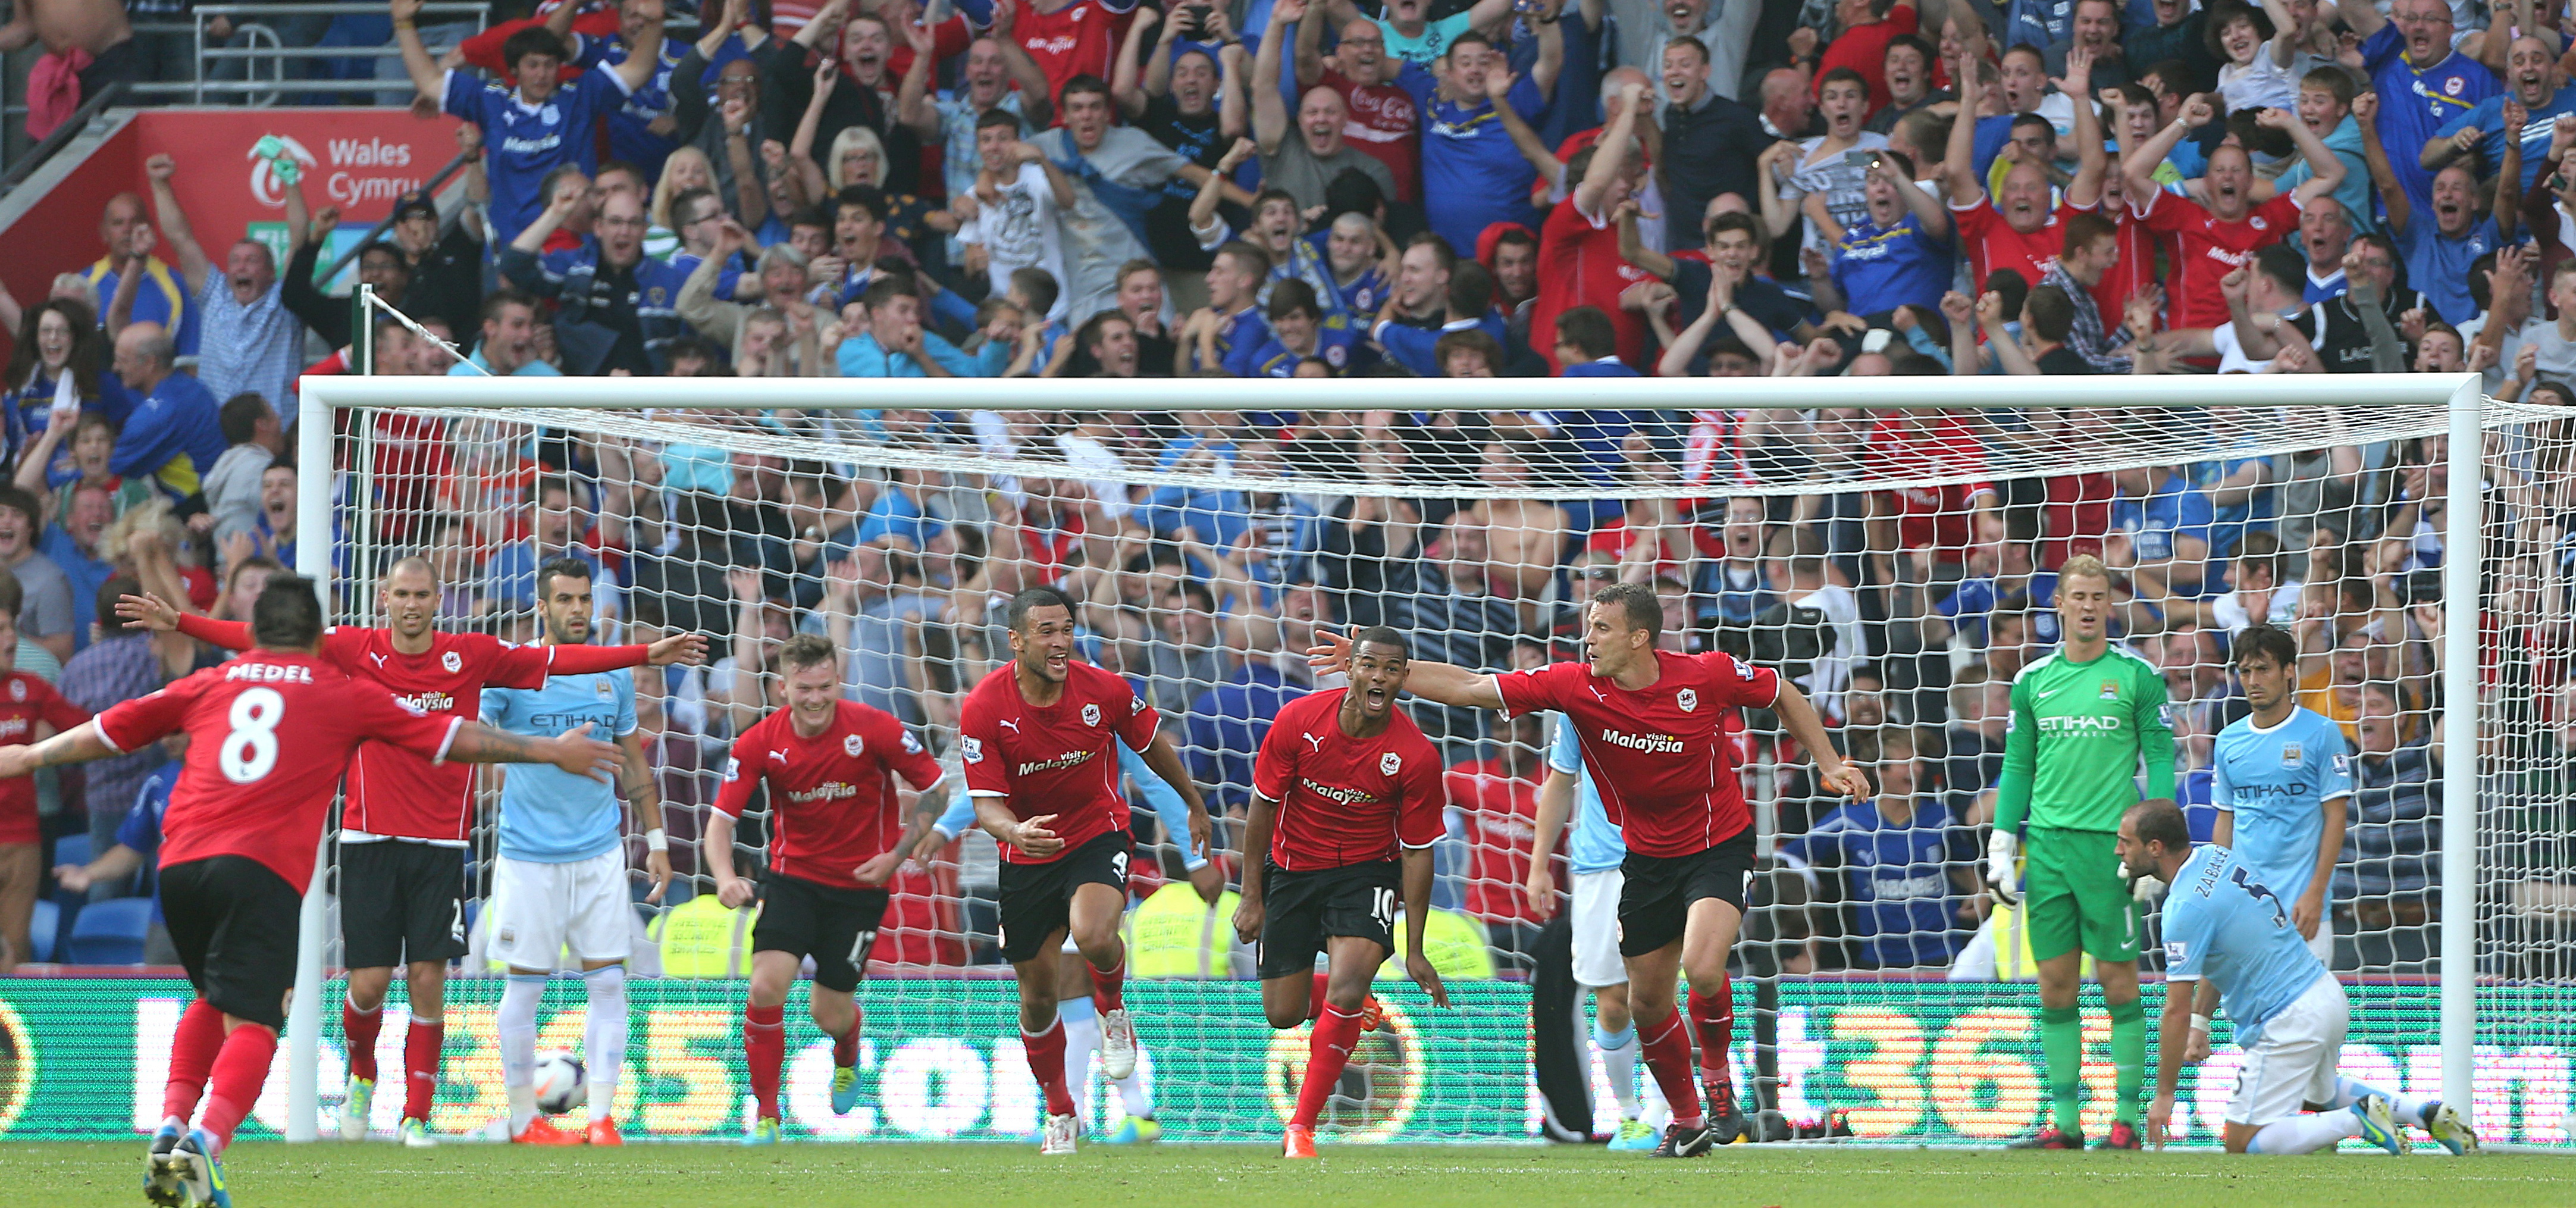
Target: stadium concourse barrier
<point x="1899" y="1060"/>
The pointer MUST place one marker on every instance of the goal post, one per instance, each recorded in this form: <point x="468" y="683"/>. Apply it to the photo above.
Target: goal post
<point x="2095" y="428"/>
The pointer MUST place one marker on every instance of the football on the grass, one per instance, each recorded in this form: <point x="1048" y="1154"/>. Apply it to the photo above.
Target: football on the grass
<point x="560" y="1083"/>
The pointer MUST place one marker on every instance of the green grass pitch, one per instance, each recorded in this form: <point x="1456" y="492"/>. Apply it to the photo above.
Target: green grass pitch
<point x="270" y="1175"/>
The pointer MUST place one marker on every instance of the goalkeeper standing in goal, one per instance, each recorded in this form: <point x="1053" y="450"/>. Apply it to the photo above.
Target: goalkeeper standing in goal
<point x="2083" y="719"/>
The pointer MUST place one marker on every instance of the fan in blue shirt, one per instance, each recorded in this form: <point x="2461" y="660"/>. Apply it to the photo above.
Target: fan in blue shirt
<point x="1470" y="163"/>
<point x="1905" y="867"/>
<point x="2167" y="524"/>
<point x="2423" y="85"/>
<point x="1899" y="255"/>
<point x="630" y="134"/>
<point x="2282" y="781"/>
<point x="529" y="130"/>
<point x="2531" y="67"/>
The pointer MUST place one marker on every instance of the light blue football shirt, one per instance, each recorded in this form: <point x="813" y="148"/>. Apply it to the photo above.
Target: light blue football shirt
<point x="2277" y="782"/>
<point x="2221" y="922"/>
<point x="549" y="815"/>
<point x="1597" y="845"/>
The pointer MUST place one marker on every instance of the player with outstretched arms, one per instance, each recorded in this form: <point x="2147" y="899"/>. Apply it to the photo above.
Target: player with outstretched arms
<point x="1343" y="784"/>
<point x="1035" y="739"/>
<point x="837" y="836"/>
<point x="1652" y="727"/>
<point x="2282" y="781"/>
<point x="559" y="884"/>
<point x="270" y="734"/>
<point x="403" y="828"/>
<point x="2084" y="718"/>
<point x="2230" y="942"/>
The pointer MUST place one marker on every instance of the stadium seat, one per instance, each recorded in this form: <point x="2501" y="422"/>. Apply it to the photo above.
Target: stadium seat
<point x="43" y="929"/>
<point x="110" y="933"/>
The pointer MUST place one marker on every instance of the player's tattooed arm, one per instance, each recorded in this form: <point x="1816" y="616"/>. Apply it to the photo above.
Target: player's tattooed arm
<point x="574" y="750"/>
<point x="643" y="797"/>
<point x="80" y="744"/>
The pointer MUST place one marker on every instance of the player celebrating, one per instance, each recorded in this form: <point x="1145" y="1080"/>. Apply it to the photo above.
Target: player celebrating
<point x="1344" y="781"/>
<point x="836" y="837"/>
<point x="2282" y="782"/>
<point x="403" y="830"/>
<point x="2084" y="717"/>
<point x="2227" y="931"/>
<point x="270" y="734"/>
<point x="1035" y="739"/>
<point x="1593" y="861"/>
<point x="560" y="881"/>
<point x="1652" y="727"/>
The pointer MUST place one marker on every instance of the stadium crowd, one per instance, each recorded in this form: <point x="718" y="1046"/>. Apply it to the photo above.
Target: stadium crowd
<point x="1062" y="188"/>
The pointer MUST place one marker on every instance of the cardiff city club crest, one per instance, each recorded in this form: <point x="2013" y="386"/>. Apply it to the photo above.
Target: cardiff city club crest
<point x="853" y="744"/>
<point x="1390" y="763"/>
<point x="1091" y="715"/>
<point x="453" y="661"/>
<point x="1687" y="698"/>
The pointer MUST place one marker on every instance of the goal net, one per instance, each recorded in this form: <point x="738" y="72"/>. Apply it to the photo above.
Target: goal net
<point x="1896" y="560"/>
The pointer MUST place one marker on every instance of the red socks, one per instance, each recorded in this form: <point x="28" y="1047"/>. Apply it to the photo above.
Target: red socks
<point x="193" y="1046"/>
<point x="361" y="1027"/>
<point x="1327" y="1051"/>
<point x="1109" y="986"/>
<point x="845" y="1049"/>
<point x="239" y="1071"/>
<point x="1714" y="1017"/>
<point x="1668" y="1056"/>
<point x="1046" y="1060"/>
<point x="764" y="1047"/>
<point x="1315" y="1003"/>
<point x="420" y="1066"/>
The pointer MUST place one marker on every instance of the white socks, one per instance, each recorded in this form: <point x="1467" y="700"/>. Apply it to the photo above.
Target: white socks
<point x="2405" y="1109"/>
<point x="516" y="1030"/>
<point x="1619" y="1062"/>
<point x="2306" y="1134"/>
<point x="603" y="1037"/>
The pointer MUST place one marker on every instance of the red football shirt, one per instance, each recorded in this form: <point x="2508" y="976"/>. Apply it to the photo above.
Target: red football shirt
<point x="832" y="804"/>
<point x="1502" y="818"/>
<point x="2206" y="249"/>
<point x="2135" y="269"/>
<point x="1579" y="265"/>
<point x="1936" y="447"/>
<point x="2074" y="518"/>
<point x="25" y="702"/>
<point x="1660" y="756"/>
<point x="1992" y="243"/>
<point x="269" y="735"/>
<point x="1079" y="38"/>
<point x="393" y="794"/>
<point x="1345" y="800"/>
<point x="1384" y="123"/>
<point x="1056" y="759"/>
<point x="1863" y="48"/>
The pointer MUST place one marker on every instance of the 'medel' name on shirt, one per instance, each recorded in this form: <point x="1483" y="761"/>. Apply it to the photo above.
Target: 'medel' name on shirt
<point x="275" y="673"/>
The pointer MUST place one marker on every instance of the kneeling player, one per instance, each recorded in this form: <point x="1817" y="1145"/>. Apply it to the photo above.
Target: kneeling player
<point x="1344" y="781"/>
<point x="835" y="838"/>
<point x="2226" y="930"/>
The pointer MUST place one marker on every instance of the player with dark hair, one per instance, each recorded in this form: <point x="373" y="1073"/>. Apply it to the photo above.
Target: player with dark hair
<point x="1344" y="782"/>
<point x="270" y="735"/>
<point x="1036" y="738"/>
<point x="836" y="839"/>
<point x="1652" y="725"/>
<point x="2281" y="778"/>
<point x="404" y="826"/>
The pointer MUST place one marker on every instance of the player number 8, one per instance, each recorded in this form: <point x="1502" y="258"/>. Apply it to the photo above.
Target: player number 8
<point x="250" y="750"/>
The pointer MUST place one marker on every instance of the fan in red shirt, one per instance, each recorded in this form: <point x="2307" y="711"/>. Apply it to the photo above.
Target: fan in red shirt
<point x="30" y="709"/>
<point x="1652" y="726"/>
<point x="403" y="829"/>
<point x="1498" y="798"/>
<point x="836" y="837"/>
<point x="1067" y="37"/>
<point x="1578" y="247"/>
<point x="1944" y="519"/>
<point x="2213" y="240"/>
<point x="270" y="735"/>
<point x="1862" y="46"/>
<point x="1346" y="802"/>
<point x="2019" y="230"/>
<point x="1034" y="737"/>
<point x="1382" y="119"/>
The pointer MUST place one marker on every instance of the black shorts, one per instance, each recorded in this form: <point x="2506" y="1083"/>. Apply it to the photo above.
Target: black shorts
<point x="1037" y="899"/>
<point x="1656" y="892"/>
<point x="401" y="901"/>
<point x="1301" y="910"/>
<point x="835" y="926"/>
<point x="233" y="922"/>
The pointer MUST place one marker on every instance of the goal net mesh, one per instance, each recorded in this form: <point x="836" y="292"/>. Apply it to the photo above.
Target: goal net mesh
<point x="1897" y="565"/>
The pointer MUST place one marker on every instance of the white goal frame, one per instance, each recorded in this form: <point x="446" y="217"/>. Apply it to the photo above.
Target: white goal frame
<point x="2461" y="394"/>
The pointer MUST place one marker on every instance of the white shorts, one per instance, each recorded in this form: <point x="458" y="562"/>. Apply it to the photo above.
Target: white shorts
<point x="2322" y="943"/>
<point x="539" y="910"/>
<point x="1596" y="930"/>
<point x="2294" y="1062"/>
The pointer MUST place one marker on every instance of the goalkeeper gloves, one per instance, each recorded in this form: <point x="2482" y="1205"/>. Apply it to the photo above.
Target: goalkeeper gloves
<point x="2003" y="851"/>
<point x="2145" y="889"/>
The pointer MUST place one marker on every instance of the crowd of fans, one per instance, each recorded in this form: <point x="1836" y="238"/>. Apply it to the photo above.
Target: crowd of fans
<point x="1301" y="188"/>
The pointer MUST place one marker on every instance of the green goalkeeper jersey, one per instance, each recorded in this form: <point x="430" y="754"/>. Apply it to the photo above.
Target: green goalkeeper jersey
<point x="2078" y="733"/>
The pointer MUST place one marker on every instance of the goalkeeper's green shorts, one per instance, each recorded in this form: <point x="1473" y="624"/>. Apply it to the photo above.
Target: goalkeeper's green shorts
<point x="2074" y="896"/>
